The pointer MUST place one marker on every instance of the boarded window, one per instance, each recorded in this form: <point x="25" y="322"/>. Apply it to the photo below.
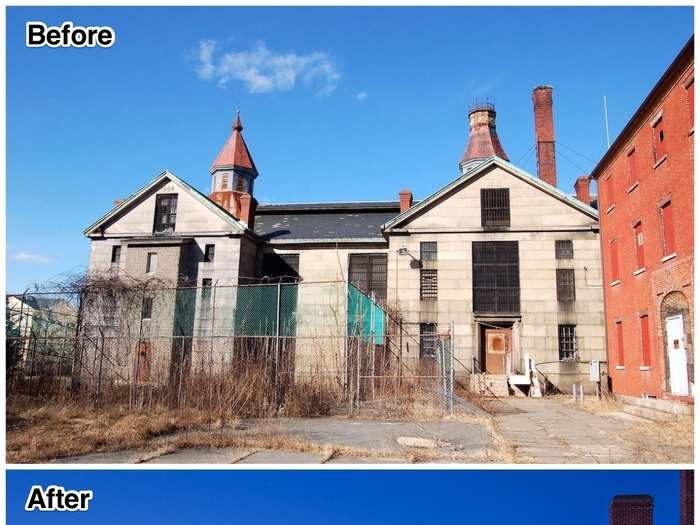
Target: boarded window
<point x="614" y="261"/>
<point x="646" y="352"/>
<point x="564" y="249"/>
<point x="667" y="222"/>
<point x="368" y="273"/>
<point x="639" y="244"/>
<point x="209" y="252"/>
<point x="151" y="262"/>
<point x="147" y="308"/>
<point x="495" y="207"/>
<point x="224" y="181"/>
<point x="428" y="284"/>
<point x="659" y="139"/>
<point x="631" y="167"/>
<point x="566" y="286"/>
<point x="166" y="211"/>
<point x="567" y="342"/>
<point x="281" y="267"/>
<point x="116" y="255"/>
<point x="620" y="344"/>
<point x="428" y="251"/>
<point x="496" y="277"/>
<point x="428" y="339"/>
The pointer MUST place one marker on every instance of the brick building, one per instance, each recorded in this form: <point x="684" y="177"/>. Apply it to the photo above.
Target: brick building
<point x="632" y="510"/>
<point x="687" y="497"/>
<point x="645" y="192"/>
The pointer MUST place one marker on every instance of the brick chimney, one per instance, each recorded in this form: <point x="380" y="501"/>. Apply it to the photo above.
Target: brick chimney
<point x="405" y="200"/>
<point x="544" y="134"/>
<point x="632" y="510"/>
<point x="583" y="189"/>
<point x="247" y="212"/>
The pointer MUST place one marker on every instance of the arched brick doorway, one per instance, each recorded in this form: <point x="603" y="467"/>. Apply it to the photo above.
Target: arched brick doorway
<point x="678" y="344"/>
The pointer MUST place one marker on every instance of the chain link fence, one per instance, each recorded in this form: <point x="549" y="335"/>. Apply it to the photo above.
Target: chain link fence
<point x="296" y="349"/>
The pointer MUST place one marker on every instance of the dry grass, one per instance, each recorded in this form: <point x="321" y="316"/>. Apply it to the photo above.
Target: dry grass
<point x="604" y="405"/>
<point x="41" y="432"/>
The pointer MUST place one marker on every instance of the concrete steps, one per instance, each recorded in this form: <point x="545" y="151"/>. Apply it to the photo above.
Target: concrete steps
<point x="495" y="385"/>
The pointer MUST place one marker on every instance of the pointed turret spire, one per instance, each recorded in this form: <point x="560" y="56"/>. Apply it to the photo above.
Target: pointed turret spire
<point x="237" y="126"/>
<point x="233" y="175"/>
<point x="235" y="153"/>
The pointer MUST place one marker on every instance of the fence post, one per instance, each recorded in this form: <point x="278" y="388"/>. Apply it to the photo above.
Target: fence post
<point x="372" y="321"/>
<point x="99" y="372"/>
<point x="277" y="339"/>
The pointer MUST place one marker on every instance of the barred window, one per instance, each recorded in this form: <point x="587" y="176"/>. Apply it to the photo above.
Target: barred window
<point x="566" y="286"/>
<point x="147" y="308"/>
<point x="567" y="342"/>
<point x="206" y="290"/>
<point x="428" y="284"/>
<point x="564" y="249"/>
<point x="428" y="339"/>
<point x="367" y="271"/>
<point x="166" y="212"/>
<point x="428" y="251"/>
<point x="495" y="207"/>
<point x="496" y="281"/>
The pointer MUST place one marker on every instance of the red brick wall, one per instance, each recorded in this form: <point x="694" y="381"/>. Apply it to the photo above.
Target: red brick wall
<point x="623" y="202"/>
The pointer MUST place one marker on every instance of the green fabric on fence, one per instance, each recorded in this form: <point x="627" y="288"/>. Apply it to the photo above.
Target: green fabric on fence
<point x="364" y="316"/>
<point x="256" y="310"/>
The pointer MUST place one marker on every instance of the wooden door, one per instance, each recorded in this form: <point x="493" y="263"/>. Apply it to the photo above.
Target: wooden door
<point x="498" y="347"/>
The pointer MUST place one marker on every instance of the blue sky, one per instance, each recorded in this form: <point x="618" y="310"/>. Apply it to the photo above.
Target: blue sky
<point x="340" y="497"/>
<point x="337" y="103"/>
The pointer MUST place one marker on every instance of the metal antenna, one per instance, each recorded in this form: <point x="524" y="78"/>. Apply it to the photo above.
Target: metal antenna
<point x="607" y="128"/>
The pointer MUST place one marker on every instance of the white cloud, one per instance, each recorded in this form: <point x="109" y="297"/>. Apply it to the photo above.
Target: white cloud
<point x="30" y="257"/>
<point x="361" y="95"/>
<point x="262" y="70"/>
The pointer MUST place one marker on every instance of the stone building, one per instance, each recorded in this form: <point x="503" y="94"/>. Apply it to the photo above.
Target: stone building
<point x="645" y="187"/>
<point x="503" y="259"/>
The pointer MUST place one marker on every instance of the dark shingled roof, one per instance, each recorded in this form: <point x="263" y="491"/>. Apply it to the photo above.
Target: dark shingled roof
<point x="324" y="221"/>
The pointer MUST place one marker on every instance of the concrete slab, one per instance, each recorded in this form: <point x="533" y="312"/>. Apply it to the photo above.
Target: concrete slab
<point x="203" y="455"/>
<point x="119" y="456"/>
<point x="351" y="460"/>
<point x="281" y="456"/>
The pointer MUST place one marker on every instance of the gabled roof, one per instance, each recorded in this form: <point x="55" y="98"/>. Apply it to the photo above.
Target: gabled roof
<point x="194" y="192"/>
<point x="474" y="172"/>
<point x="234" y="153"/>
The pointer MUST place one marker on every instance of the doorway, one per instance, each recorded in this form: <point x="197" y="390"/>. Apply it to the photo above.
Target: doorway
<point x="677" y="356"/>
<point x="496" y="349"/>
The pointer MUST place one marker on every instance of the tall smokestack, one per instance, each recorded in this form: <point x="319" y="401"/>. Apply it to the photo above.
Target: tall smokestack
<point x="632" y="510"/>
<point x="544" y="134"/>
<point x="483" y="140"/>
